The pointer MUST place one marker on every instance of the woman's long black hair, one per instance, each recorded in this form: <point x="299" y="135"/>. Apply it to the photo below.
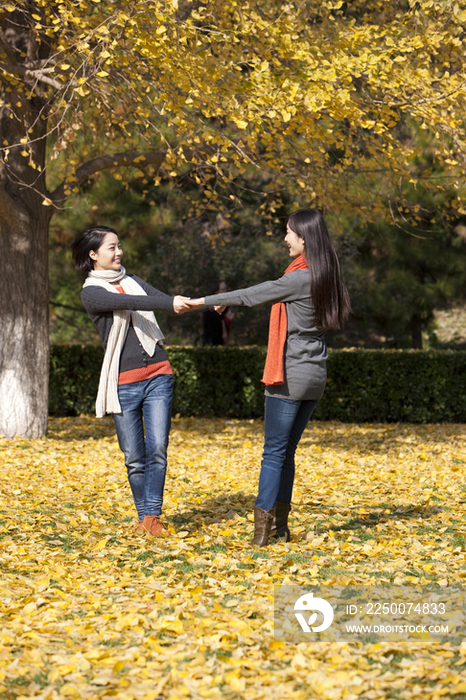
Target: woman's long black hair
<point x="328" y="291"/>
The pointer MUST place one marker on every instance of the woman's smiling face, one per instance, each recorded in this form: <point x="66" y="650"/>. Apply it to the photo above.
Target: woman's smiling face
<point x="108" y="256"/>
<point x="294" y="242"/>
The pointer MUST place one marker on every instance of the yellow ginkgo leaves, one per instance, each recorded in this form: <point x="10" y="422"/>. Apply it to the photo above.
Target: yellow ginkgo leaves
<point x="90" y="610"/>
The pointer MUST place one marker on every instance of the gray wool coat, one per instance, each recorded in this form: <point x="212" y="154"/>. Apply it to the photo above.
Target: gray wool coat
<point x="305" y="353"/>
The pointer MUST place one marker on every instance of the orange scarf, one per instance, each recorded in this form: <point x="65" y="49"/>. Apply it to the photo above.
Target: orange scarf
<point x="273" y="370"/>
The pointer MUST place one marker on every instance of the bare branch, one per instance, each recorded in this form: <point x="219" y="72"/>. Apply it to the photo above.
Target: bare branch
<point x="134" y="159"/>
<point x="36" y="74"/>
<point x="70" y="308"/>
<point x="423" y="238"/>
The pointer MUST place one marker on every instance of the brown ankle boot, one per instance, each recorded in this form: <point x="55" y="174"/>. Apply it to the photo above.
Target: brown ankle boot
<point x="280" y="522"/>
<point x="154" y="525"/>
<point x="262" y="523"/>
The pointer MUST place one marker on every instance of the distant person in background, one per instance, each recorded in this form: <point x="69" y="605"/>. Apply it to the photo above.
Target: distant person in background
<point x="228" y="316"/>
<point x="309" y="299"/>
<point x="215" y="326"/>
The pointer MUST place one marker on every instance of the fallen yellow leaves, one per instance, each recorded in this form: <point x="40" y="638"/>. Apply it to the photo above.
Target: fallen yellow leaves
<point x="90" y="610"/>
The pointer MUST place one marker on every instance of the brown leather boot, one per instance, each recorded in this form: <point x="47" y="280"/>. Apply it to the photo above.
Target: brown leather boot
<point x="154" y="525"/>
<point x="280" y="522"/>
<point x="262" y="523"/>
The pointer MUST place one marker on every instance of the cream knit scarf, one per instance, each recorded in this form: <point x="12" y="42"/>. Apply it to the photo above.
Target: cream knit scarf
<point x="144" y="323"/>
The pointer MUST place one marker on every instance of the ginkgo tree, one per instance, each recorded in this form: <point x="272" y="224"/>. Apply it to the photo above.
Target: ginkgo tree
<point x="327" y="96"/>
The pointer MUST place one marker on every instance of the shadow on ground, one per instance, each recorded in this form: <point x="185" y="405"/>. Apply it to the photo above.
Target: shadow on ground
<point x="229" y="507"/>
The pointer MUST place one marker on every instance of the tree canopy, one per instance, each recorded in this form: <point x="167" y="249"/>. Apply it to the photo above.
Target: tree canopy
<point x="332" y="102"/>
<point x="328" y="95"/>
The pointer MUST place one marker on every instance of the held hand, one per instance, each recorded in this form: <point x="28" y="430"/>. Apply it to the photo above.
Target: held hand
<point x="219" y="309"/>
<point x="196" y="303"/>
<point x="181" y="304"/>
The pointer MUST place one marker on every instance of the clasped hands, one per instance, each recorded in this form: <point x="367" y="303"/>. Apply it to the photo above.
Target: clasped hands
<point x="182" y="304"/>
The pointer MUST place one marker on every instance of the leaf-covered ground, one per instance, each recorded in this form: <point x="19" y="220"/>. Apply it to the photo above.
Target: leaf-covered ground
<point x="89" y="610"/>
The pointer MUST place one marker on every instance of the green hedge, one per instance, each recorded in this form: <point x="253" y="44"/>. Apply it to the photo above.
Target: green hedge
<point x="363" y="385"/>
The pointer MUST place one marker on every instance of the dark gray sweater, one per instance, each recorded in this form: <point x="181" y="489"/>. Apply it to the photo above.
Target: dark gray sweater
<point x="305" y="357"/>
<point x="100" y="305"/>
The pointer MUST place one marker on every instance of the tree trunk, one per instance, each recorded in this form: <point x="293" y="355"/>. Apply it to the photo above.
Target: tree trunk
<point x="24" y="346"/>
<point x="24" y="224"/>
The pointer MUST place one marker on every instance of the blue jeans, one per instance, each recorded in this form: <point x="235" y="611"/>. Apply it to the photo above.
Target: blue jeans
<point x="285" y="421"/>
<point x="145" y="457"/>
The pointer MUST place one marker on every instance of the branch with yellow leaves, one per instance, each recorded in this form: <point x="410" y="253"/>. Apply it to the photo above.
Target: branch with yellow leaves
<point x="134" y="159"/>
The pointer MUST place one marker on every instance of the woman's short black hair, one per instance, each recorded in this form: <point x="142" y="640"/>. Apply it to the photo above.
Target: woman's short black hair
<point x="90" y="239"/>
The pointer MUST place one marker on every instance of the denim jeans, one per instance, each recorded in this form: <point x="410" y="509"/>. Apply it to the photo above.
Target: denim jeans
<point x="285" y="421"/>
<point x="145" y="457"/>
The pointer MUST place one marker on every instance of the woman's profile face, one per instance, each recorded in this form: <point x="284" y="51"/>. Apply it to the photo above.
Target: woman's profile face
<point x="294" y="242"/>
<point x="108" y="256"/>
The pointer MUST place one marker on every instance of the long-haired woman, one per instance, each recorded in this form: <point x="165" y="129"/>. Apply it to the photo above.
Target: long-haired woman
<point x="309" y="299"/>
<point x="136" y="382"/>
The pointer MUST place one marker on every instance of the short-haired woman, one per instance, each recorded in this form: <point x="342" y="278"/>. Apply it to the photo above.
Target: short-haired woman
<point x="136" y="382"/>
<point x="309" y="299"/>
